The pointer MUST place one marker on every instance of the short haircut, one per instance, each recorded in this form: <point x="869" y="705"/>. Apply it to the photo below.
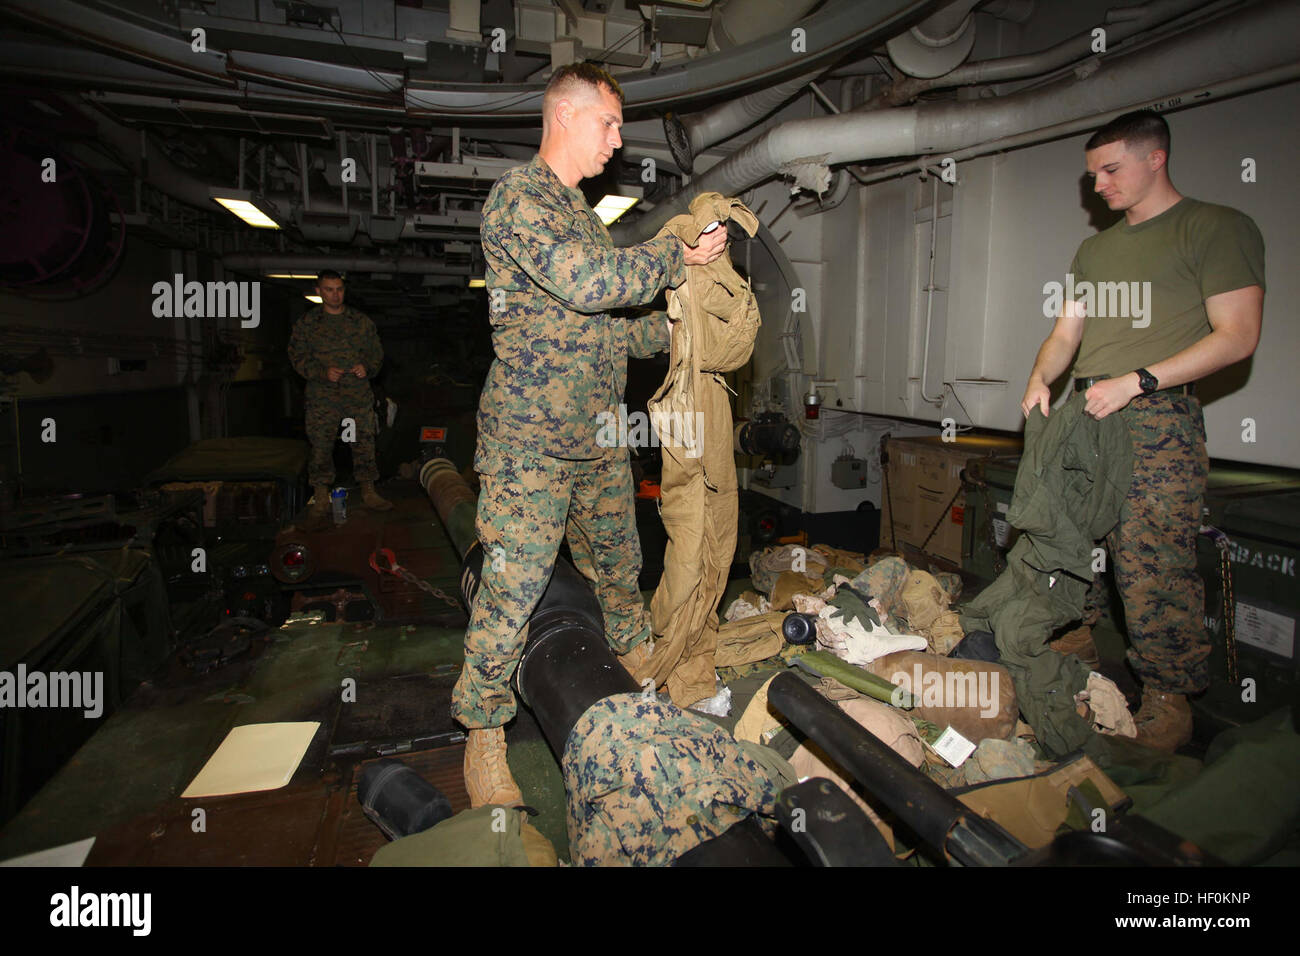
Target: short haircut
<point x="1141" y="128"/>
<point x="571" y="79"/>
<point x="327" y="274"/>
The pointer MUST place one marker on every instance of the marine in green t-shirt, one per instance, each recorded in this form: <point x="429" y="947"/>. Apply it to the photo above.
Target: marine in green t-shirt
<point x="1168" y="295"/>
<point x="1148" y="283"/>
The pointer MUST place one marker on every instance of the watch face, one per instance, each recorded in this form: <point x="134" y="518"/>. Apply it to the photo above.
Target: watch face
<point x="1147" y="381"/>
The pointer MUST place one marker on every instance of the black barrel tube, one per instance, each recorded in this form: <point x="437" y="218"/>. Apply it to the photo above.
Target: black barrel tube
<point x="567" y="665"/>
<point x="399" y="800"/>
<point x="936" y="816"/>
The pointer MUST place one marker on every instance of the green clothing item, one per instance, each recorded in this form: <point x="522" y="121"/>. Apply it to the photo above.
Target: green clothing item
<point x="1246" y="802"/>
<point x="1072" y="482"/>
<point x="1191" y="251"/>
<point x="321" y="340"/>
<point x="552" y="275"/>
<point x="486" y="836"/>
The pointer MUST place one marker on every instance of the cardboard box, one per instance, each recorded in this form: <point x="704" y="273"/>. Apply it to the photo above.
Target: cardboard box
<point x="924" y="506"/>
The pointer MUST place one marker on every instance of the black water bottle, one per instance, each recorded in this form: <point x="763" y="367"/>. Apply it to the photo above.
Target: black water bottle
<point x="799" y="628"/>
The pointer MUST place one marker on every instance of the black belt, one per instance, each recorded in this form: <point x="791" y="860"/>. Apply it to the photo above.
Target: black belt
<point x="1083" y="384"/>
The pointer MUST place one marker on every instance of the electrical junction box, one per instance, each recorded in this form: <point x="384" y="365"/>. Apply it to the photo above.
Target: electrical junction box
<point x="848" y="472"/>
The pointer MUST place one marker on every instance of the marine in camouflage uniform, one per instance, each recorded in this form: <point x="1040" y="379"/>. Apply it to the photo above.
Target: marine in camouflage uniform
<point x="321" y="341"/>
<point x="561" y="362"/>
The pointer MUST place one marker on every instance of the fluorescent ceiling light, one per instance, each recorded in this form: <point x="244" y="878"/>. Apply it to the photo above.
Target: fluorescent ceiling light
<point x="246" y="206"/>
<point x="291" y="275"/>
<point x="478" y="283"/>
<point x="611" y="207"/>
<point x="313" y="298"/>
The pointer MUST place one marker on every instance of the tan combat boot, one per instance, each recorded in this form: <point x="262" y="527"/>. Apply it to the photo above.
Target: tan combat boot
<point x="371" y="498"/>
<point x="487" y="775"/>
<point x="1164" y="721"/>
<point x="1078" y="642"/>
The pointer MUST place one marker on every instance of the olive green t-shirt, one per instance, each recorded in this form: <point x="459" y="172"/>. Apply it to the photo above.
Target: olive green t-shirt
<point x="1144" y="287"/>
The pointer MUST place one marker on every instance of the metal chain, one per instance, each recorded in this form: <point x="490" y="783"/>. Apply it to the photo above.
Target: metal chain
<point x="1229" y="610"/>
<point x="426" y="586"/>
<point x="407" y="576"/>
<point x="1229" y="602"/>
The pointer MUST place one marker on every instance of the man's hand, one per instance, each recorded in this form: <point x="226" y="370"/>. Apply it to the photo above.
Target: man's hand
<point x="1036" y="393"/>
<point x="358" y="370"/>
<point x="1111" y="394"/>
<point x="334" y="374"/>
<point x="712" y="245"/>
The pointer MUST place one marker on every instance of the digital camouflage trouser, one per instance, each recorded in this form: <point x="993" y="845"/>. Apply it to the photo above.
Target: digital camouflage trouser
<point x="1153" y="547"/>
<point x="327" y="405"/>
<point x="527" y="503"/>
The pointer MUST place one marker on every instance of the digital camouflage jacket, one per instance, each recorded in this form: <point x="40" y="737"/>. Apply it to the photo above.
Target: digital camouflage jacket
<point x="553" y="274"/>
<point x="320" y="340"/>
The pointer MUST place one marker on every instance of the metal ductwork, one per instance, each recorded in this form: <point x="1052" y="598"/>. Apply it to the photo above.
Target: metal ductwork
<point x="738" y="22"/>
<point x="838" y="27"/>
<point x="1254" y="40"/>
<point x="938" y="44"/>
<point x="404" y="265"/>
<point x="689" y="135"/>
<point x="1119" y="24"/>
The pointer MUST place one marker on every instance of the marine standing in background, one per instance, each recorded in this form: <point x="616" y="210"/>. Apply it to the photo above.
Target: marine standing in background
<point x="337" y="350"/>
<point x="560" y="362"/>
<point x="1204" y="268"/>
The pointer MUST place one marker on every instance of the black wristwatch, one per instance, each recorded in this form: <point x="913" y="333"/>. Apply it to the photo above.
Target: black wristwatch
<point x="1147" y="382"/>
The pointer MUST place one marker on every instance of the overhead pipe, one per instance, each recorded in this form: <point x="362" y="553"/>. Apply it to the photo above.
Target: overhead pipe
<point x="938" y="43"/>
<point x="1194" y="96"/>
<point x="836" y="28"/>
<point x="158" y="171"/>
<point x="929" y="295"/>
<point x="281" y="262"/>
<point x="1257" y="39"/>
<point x="373" y="142"/>
<point x="1120" y="23"/>
<point x="842" y="179"/>
<point x="688" y="136"/>
<point x="737" y="22"/>
<point x="304" y="171"/>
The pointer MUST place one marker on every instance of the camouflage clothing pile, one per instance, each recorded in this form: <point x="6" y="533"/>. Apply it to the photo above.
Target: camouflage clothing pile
<point x="646" y="782"/>
<point x="916" y="601"/>
<point x="817" y="562"/>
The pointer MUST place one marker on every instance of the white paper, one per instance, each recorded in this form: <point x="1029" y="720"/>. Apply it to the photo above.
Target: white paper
<point x="1266" y="629"/>
<point x="953" y="747"/>
<point x="70" y="854"/>
<point x="253" y="757"/>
